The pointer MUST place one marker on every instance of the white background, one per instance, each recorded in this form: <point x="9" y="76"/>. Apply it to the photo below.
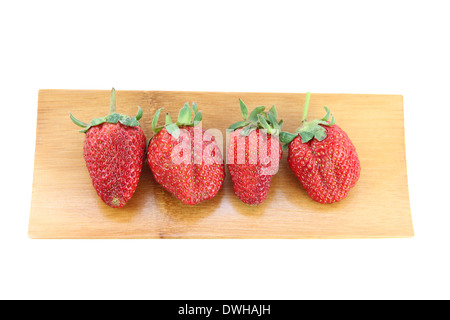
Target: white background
<point x="385" y="47"/>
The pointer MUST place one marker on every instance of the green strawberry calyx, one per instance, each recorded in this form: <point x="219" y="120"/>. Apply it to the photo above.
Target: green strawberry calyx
<point x="112" y="117"/>
<point x="309" y="129"/>
<point x="258" y="119"/>
<point x="186" y="117"/>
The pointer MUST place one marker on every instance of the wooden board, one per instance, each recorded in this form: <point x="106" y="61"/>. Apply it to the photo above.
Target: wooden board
<point x="65" y="205"/>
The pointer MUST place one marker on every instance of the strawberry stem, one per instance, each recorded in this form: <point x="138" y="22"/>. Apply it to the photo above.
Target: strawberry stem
<point x="306" y="108"/>
<point x="112" y="108"/>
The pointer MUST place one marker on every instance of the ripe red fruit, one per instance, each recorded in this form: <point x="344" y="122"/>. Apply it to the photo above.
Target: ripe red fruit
<point x="185" y="159"/>
<point x="114" y="149"/>
<point x="254" y="153"/>
<point x="323" y="158"/>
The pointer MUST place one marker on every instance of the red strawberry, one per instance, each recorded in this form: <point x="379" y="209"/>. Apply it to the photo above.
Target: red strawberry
<point x="323" y="158"/>
<point x="114" y="149"/>
<point x="185" y="159"/>
<point x="254" y="153"/>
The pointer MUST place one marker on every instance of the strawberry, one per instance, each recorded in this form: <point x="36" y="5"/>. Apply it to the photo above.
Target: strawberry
<point x="185" y="159"/>
<point x="254" y="153"/>
<point x="322" y="157"/>
<point x="114" y="149"/>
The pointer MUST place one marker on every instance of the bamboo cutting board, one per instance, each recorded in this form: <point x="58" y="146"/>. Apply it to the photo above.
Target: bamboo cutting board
<point x="65" y="204"/>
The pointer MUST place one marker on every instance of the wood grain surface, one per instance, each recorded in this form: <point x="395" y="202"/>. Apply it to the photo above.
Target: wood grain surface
<point x="65" y="204"/>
